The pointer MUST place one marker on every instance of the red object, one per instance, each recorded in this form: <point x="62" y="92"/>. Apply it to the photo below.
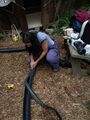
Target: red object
<point x="82" y="15"/>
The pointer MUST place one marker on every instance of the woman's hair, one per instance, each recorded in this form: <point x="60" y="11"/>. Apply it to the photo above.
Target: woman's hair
<point x="29" y="36"/>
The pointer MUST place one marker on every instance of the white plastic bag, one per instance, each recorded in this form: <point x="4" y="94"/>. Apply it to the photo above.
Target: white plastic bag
<point x="15" y="33"/>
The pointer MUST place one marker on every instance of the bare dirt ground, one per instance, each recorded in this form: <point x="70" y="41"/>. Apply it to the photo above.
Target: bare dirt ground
<point x="67" y="93"/>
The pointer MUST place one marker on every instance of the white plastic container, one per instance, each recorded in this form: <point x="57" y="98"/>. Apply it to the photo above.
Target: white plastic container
<point x="69" y="31"/>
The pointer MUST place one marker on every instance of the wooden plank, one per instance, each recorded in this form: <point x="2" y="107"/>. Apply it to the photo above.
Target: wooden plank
<point x="76" y="61"/>
<point x="76" y="67"/>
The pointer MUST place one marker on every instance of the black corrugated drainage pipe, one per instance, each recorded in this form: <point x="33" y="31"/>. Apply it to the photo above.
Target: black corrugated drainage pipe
<point x="27" y="97"/>
<point x="31" y="94"/>
<point x="9" y="50"/>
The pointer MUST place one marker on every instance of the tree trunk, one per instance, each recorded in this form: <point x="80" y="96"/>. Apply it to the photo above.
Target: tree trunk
<point x="63" y="6"/>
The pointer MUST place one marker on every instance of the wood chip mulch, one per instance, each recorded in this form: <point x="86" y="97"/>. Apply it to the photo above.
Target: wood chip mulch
<point x="67" y="93"/>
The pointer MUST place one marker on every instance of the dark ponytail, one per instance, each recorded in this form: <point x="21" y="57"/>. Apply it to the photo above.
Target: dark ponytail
<point x="31" y="37"/>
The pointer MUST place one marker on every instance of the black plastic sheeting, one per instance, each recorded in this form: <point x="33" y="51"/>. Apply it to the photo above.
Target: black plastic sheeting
<point x="27" y="97"/>
<point x="29" y="94"/>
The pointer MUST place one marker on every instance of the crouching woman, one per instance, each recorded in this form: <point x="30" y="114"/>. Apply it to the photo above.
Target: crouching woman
<point x="40" y="45"/>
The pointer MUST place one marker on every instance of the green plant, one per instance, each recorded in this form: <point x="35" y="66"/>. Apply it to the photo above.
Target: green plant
<point x="64" y="19"/>
<point x="1" y="35"/>
<point x="57" y="31"/>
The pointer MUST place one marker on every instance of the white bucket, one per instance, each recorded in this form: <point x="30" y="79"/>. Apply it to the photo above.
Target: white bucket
<point x="69" y="31"/>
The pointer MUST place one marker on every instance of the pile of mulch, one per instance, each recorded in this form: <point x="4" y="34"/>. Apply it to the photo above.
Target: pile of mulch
<point x="67" y="93"/>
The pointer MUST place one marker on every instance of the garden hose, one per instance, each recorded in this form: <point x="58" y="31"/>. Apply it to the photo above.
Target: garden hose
<point x="9" y="50"/>
<point x="28" y="87"/>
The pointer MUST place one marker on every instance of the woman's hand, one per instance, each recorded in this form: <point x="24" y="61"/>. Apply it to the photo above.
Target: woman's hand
<point x="33" y="64"/>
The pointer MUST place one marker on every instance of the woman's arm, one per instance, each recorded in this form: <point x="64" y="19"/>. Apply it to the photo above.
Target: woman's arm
<point x="32" y="62"/>
<point x="44" y="46"/>
<point x="31" y="57"/>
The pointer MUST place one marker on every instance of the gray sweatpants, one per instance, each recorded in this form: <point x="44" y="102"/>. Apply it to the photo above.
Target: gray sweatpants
<point x="53" y="56"/>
